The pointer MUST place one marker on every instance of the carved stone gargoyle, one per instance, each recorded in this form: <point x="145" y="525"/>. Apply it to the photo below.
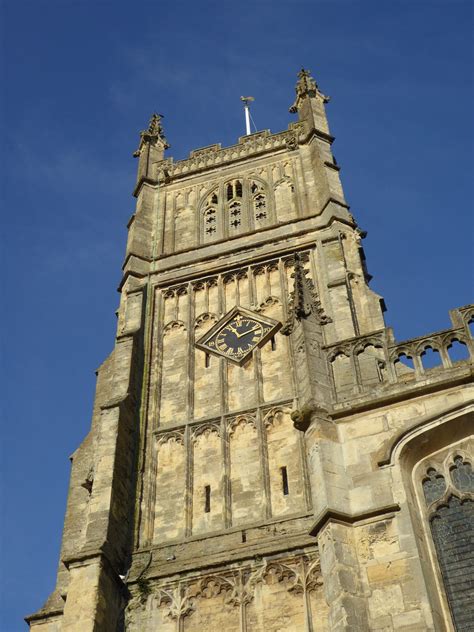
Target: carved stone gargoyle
<point x="302" y="417"/>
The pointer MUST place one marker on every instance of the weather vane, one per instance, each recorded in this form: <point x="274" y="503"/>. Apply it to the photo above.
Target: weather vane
<point x="246" y="101"/>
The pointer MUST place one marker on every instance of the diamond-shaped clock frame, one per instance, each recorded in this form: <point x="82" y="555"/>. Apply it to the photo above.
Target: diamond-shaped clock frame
<point x="270" y="328"/>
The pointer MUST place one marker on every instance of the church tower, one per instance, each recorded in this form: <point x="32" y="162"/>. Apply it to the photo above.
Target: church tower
<point x="264" y="456"/>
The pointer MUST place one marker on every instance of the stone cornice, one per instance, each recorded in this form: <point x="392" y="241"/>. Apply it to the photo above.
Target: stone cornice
<point x="330" y="515"/>
<point x="44" y="613"/>
<point x="143" y="180"/>
<point x="163" y="564"/>
<point x="274" y="239"/>
<point x="160" y="265"/>
<point x="449" y="378"/>
<point x="253" y="145"/>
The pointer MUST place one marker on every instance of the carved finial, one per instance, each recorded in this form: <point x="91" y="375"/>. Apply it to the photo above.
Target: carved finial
<point x="305" y="83"/>
<point x="155" y="126"/>
<point x="306" y="86"/>
<point x="153" y="135"/>
<point x="303" y="300"/>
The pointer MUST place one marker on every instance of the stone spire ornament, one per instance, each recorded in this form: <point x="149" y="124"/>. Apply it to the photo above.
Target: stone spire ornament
<point x="304" y="300"/>
<point x="153" y="135"/>
<point x="306" y="86"/>
<point x="151" y="150"/>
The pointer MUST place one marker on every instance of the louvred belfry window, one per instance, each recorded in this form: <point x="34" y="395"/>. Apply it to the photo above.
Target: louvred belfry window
<point x="210" y="228"/>
<point x="234" y="205"/>
<point x="450" y="505"/>
<point x="259" y="203"/>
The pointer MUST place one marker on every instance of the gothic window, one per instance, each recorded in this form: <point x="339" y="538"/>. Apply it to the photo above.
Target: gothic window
<point x="259" y="203"/>
<point x="210" y="223"/>
<point x="450" y="505"/>
<point x="234" y="205"/>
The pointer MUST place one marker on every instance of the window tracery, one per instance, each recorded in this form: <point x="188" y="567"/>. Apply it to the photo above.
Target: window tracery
<point x="240" y="205"/>
<point x="210" y="224"/>
<point x="259" y="203"/>
<point x="234" y="204"/>
<point x="449" y="502"/>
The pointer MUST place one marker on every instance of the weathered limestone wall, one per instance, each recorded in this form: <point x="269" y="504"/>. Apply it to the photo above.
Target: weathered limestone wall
<point x="272" y="594"/>
<point x="377" y="559"/>
<point x="240" y="459"/>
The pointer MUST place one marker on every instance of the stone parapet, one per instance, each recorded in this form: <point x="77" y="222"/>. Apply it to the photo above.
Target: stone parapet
<point x="375" y="365"/>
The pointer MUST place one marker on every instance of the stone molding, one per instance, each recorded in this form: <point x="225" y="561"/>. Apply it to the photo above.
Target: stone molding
<point x="391" y="448"/>
<point x="213" y="156"/>
<point x="300" y="573"/>
<point x="340" y="517"/>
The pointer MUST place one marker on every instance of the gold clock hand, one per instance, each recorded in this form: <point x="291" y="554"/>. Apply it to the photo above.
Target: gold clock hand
<point x="247" y="332"/>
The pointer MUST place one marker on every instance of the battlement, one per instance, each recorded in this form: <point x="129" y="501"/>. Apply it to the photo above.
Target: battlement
<point x="247" y="146"/>
<point x="376" y="364"/>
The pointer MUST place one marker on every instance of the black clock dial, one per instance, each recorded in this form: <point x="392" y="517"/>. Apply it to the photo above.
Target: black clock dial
<point x="239" y="336"/>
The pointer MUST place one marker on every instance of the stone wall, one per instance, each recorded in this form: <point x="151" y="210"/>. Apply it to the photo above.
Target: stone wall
<point x="270" y="595"/>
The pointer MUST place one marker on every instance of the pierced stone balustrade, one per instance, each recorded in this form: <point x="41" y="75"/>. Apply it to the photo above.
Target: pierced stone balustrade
<point x="376" y="362"/>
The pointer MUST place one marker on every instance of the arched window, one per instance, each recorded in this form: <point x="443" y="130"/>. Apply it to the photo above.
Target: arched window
<point x="449" y="501"/>
<point x="259" y="204"/>
<point x="234" y="205"/>
<point x="210" y="219"/>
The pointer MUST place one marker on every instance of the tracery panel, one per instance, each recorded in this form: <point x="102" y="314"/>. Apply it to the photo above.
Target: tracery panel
<point x="450" y="505"/>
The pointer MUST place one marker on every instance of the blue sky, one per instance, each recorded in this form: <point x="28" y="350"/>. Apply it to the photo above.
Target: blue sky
<point x="81" y="79"/>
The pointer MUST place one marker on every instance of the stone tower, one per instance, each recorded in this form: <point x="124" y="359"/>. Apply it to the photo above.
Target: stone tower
<point x="264" y="456"/>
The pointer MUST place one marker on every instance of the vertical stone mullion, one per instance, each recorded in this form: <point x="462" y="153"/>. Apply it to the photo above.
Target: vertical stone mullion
<point x="272" y="219"/>
<point x="191" y="353"/>
<point x="268" y="288"/>
<point x="237" y="289"/>
<point x="446" y="360"/>
<point x="198" y="227"/>
<point x="348" y="276"/>
<point x="176" y="305"/>
<point x="160" y="205"/>
<point x="226" y="483"/>
<point x="173" y="225"/>
<point x="146" y="500"/>
<point x="222" y="363"/>
<point x="295" y="188"/>
<point x="206" y="296"/>
<point x="252" y="288"/>
<point x="223" y="216"/>
<point x="300" y="196"/>
<point x="257" y="359"/>
<point x="262" y="440"/>
<point x="248" y="224"/>
<point x="418" y="365"/>
<point x="188" y="447"/>
<point x="356" y="370"/>
<point x="159" y="361"/>
<point x="305" y="472"/>
<point x="256" y="355"/>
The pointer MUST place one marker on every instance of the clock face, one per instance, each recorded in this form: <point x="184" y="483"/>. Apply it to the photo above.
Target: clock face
<point x="237" y="334"/>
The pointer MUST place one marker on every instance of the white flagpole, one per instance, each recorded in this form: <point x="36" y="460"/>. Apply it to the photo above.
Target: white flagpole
<point x="246" y="101"/>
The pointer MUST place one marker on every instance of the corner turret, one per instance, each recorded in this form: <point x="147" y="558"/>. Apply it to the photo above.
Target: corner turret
<point x="309" y="102"/>
<point x="151" y="148"/>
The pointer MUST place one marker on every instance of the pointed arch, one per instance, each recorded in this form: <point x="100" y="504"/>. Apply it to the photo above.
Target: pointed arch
<point x="440" y="504"/>
<point x="210" y="223"/>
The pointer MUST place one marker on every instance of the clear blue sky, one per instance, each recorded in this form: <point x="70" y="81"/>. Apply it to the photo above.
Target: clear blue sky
<point x="81" y="78"/>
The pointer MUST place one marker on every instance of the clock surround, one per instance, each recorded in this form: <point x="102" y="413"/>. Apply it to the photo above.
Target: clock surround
<point x="237" y="334"/>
